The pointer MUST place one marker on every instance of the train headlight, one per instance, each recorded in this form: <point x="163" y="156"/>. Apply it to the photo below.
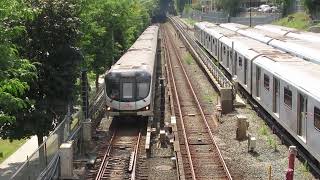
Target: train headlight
<point x="108" y="108"/>
<point x="147" y="108"/>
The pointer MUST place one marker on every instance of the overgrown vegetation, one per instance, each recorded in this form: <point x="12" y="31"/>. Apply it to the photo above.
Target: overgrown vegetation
<point x="189" y="59"/>
<point x="263" y="131"/>
<point x="304" y="169"/>
<point x="298" y="20"/>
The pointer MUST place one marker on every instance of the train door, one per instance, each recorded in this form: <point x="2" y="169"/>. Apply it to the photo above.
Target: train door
<point x="220" y="59"/>
<point x="258" y="75"/>
<point x="276" y="99"/>
<point x="228" y="57"/>
<point x="216" y="48"/>
<point x="302" y="115"/>
<point x="245" y="70"/>
<point x="235" y="63"/>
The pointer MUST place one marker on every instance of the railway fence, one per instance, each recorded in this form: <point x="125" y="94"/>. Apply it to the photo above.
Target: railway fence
<point x="219" y="17"/>
<point x="44" y="163"/>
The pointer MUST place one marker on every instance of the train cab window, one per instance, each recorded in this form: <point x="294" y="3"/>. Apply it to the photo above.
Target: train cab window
<point x="127" y="92"/>
<point x="317" y="118"/>
<point x="287" y="97"/>
<point x="240" y="62"/>
<point x="142" y="90"/>
<point x="266" y="82"/>
<point x="113" y="88"/>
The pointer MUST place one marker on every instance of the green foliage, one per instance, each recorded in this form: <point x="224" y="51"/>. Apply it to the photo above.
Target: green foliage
<point x="49" y="40"/>
<point x="16" y="73"/>
<point x="263" y="130"/>
<point x="297" y="20"/>
<point x="304" y="169"/>
<point x="40" y="43"/>
<point x="180" y="5"/>
<point x="187" y="9"/>
<point x="312" y="7"/>
<point x="229" y="6"/>
<point x="109" y="28"/>
<point x="189" y="59"/>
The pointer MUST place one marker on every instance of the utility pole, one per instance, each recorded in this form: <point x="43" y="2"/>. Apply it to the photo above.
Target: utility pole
<point x="250" y="13"/>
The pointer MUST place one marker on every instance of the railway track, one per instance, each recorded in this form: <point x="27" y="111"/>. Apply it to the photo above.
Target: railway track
<point x="119" y="157"/>
<point x="201" y="156"/>
<point x="286" y="138"/>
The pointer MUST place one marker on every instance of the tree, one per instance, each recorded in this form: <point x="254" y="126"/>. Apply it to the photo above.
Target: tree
<point x="109" y="28"/>
<point x="312" y="6"/>
<point x="229" y="6"/>
<point x="50" y="41"/>
<point x="16" y="73"/>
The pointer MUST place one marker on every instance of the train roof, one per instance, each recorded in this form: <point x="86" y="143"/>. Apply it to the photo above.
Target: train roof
<point x="304" y="49"/>
<point x="276" y="29"/>
<point x="291" y="32"/>
<point x="249" y="47"/>
<point x="303" y="75"/>
<point x="141" y="54"/>
<point x="233" y="26"/>
<point x="205" y="24"/>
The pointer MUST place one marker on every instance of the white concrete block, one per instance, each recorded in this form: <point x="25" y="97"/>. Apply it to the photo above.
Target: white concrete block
<point x="66" y="160"/>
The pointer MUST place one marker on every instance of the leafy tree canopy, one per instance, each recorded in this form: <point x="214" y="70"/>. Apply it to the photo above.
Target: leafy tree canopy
<point x="16" y="73"/>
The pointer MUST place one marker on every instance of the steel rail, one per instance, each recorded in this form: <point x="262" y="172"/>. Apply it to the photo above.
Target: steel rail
<point x="200" y="109"/>
<point x="105" y="161"/>
<point x="136" y="151"/>
<point x="166" y="56"/>
<point x="179" y="109"/>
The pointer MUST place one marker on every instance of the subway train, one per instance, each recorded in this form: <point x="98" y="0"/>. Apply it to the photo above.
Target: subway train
<point x="130" y="82"/>
<point x="285" y="86"/>
<point x="293" y="44"/>
<point x="290" y="32"/>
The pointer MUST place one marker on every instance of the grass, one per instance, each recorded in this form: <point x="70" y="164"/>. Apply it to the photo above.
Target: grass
<point x="188" y="59"/>
<point x="304" y="170"/>
<point x="263" y="130"/>
<point x="298" y="20"/>
<point x="189" y="21"/>
<point x="7" y="147"/>
<point x="208" y="98"/>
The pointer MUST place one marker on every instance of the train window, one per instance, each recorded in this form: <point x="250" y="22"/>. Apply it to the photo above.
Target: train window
<point x="224" y="50"/>
<point x="317" y="118"/>
<point x="266" y="82"/>
<point x="113" y="88"/>
<point x="240" y="62"/>
<point x="127" y="91"/>
<point x="143" y="90"/>
<point x="287" y="97"/>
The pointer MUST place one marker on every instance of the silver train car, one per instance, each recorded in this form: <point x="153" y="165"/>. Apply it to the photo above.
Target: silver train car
<point x="129" y="84"/>
<point x="291" y="32"/>
<point x="302" y="48"/>
<point x="286" y="86"/>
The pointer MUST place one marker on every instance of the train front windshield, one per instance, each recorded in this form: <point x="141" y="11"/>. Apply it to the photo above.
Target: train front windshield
<point x="129" y="88"/>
